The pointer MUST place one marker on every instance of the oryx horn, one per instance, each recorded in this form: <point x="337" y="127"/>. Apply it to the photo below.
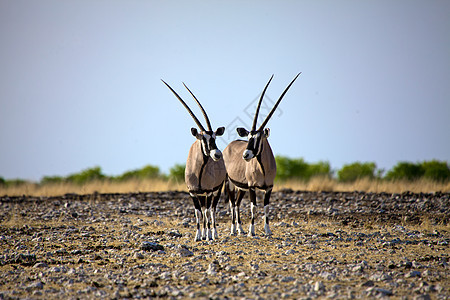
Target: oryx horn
<point x="201" y="107"/>
<point x="187" y="107"/>
<point x="255" y="119"/>
<point x="276" y="104"/>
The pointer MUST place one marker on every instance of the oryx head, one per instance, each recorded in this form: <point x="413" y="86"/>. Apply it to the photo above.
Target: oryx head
<point x="256" y="136"/>
<point x="206" y="137"/>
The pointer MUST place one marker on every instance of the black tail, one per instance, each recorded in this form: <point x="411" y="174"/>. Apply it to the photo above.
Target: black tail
<point x="226" y="188"/>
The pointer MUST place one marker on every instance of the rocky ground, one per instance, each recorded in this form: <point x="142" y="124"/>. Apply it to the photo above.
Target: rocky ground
<point x="324" y="245"/>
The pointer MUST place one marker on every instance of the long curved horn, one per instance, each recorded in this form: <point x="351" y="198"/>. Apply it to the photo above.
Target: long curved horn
<point x="276" y="104"/>
<point x="201" y="107"/>
<point x="255" y="119"/>
<point x="187" y="107"/>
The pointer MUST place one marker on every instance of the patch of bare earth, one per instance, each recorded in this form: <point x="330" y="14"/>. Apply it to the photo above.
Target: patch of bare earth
<point x="333" y="245"/>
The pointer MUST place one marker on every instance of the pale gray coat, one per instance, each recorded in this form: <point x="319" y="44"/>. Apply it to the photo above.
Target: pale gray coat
<point x="250" y="173"/>
<point x="206" y="179"/>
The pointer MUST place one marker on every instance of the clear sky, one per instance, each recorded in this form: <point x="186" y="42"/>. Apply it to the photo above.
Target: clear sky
<point x="80" y="80"/>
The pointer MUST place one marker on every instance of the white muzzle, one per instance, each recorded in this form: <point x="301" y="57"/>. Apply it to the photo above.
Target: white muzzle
<point x="247" y="155"/>
<point x="215" y="154"/>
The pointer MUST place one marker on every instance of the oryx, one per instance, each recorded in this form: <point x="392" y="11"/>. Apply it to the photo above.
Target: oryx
<point x="251" y="165"/>
<point x="205" y="171"/>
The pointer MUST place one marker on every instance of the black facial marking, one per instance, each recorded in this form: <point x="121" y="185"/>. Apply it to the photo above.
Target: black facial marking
<point x="206" y="145"/>
<point x="212" y="144"/>
<point x="254" y="143"/>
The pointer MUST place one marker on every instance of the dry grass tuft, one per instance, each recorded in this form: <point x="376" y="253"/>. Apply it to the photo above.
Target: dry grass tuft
<point x="316" y="184"/>
<point x="129" y="186"/>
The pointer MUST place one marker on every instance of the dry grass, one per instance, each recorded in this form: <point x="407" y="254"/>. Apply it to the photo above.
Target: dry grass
<point x="367" y="185"/>
<point x="130" y="186"/>
<point x="157" y="185"/>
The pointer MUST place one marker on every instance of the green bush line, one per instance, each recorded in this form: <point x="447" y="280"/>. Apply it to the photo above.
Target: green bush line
<point x="287" y="169"/>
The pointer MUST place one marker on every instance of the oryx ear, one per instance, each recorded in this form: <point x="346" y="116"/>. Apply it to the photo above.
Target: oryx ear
<point x="220" y="131"/>
<point x="267" y="132"/>
<point x="242" y="132"/>
<point x="194" y="131"/>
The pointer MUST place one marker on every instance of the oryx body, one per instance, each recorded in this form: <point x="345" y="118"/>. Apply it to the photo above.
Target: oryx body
<point x="251" y="165"/>
<point x="205" y="172"/>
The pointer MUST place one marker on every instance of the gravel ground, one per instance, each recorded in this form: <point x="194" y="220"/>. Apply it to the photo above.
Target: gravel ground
<point x="324" y="245"/>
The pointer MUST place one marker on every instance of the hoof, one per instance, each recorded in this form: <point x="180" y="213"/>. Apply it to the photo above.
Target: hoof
<point x="251" y="230"/>
<point x="233" y="230"/>
<point x="215" y="235"/>
<point x="240" y="230"/>
<point x="198" y="236"/>
<point x="267" y="229"/>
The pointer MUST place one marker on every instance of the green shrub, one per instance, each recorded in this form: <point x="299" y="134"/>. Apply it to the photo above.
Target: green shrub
<point x="146" y="172"/>
<point x="436" y="170"/>
<point x="15" y="182"/>
<point x="297" y="168"/>
<point x="177" y="172"/>
<point x="406" y="171"/>
<point x="357" y="170"/>
<point x="288" y="168"/>
<point x="51" y="179"/>
<point x="86" y="175"/>
<point x="2" y="181"/>
<point x="321" y="168"/>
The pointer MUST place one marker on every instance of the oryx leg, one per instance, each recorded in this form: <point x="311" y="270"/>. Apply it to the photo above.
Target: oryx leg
<point x="251" y="229"/>
<point x="215" y="201"/>
<point x="202" y="200"/>
<point x="266" y="211"/>
<point x="198" y="213"/>
<point x="206" y="220"/>
<point x="232" y="202"/>
<point x="239" y="196"/>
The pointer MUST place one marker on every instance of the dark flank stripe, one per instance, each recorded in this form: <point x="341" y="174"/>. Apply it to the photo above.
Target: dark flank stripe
<point x="239" y="184"/>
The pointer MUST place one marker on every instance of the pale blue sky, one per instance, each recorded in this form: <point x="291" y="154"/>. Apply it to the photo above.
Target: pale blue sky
<point x="80" y="80"/>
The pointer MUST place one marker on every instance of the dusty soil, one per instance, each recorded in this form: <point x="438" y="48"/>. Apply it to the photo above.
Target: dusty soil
<point x="324" y="245"/>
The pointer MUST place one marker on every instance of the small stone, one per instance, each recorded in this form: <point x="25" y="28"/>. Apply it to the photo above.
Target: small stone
<point x="40" y="265"/>
<point x="55" y="269"/>
<point x="287" y="279"/>
<point x="282" y="224"/>
<point x="184" y="252"/>
<point x="35" y="285"/>
<point x="165" y="275"/>
<point x="150" y="246"/>
<point x="368" y="283"/>
<point x="358" y="268"/>
<point x="175" y="233"/>
<point x="212" y="269"/>
<point x="319" y="286"/>
<point x="413" y="274"/>
<point x="378" y="292"/>
<point x="422" y="297"/>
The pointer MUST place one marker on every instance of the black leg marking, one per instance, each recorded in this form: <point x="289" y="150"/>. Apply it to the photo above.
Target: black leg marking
<point x="252" y="194"/>
<point x="232" y="202"/>
<point x="251" y="229"/>
<point x="202" y="210"/>
<point x="198" y="213"/>
<point x="240" y="195"/>
<point x="266" y="203"/>
<point x="216" y="199"/>
<point x="266" y="210"/>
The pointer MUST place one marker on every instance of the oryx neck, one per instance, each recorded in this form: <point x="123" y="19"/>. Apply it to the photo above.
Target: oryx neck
<point x="259" y="158"/>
